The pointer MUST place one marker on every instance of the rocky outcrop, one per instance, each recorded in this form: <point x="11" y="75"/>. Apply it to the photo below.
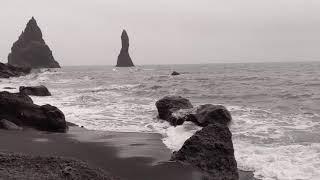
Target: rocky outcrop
<point x="19" y="109"/>
<point x="124" y="59"/>
<point x="177" y="110"/>
<point x="211" y="150"/>
<point x="209" y="114"/>
<point x="31" y="50"/>
<point x="175" y="73"/>
<point x="35" y="91"/>
<point x="7" y="125"/>
<point x="170" y="104"/>
<point x="7" y="71"/>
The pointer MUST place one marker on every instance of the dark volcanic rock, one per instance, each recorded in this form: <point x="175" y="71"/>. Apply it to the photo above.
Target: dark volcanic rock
<point x="124" y="59"/>
<point x="31" y="50"/>
<point x="22" y="167"/>
<point x="19" y="109"/>
<point x="175" y="73"/>
<point x="170" y="104"/>
<point x="7" y="71"/>
<point x="210" y="114"/>
<point x="211" y="150"/>
<point x="5" y="124"/>
<point x="35" y="91"/>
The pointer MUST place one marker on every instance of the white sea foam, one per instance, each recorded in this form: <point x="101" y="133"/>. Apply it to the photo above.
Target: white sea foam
<point x="174" y="137"/>
<point x="285" y="162"/>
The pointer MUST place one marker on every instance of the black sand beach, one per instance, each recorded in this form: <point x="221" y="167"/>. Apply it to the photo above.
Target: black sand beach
<point x="134" y="156"/>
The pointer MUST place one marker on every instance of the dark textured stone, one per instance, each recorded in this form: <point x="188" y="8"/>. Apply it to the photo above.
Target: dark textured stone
<point x="209" y="114"/>
<point x="124" y="59"/>
<point x="30" y="50"/>
<point x="19" y="109"/>
<point x="175" y="73"/>
<point x="7" y="125"/>
<point x="7" y="71"/>
<point x="211" y="150"/>
<point x="27" y="167"/>
<point x="170" y="104"/>
<point x="35" y="91"/>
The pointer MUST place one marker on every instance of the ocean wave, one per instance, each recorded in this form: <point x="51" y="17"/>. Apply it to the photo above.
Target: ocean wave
<point x="283" y="162"/>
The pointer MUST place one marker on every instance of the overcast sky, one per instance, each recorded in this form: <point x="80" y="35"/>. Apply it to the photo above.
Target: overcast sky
<point x="88" y="32"/>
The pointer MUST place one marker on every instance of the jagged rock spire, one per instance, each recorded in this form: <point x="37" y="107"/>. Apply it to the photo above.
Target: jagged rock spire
<point x="31" y="50"/>
<point x="124" y="59"/>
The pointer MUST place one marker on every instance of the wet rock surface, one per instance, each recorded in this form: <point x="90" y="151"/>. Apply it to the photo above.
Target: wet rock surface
<point x="7" y="71"/>
<point x="211" y="150"/>
<point x="19" y="109"/>
<point x="170" y="104"/>
<point x="35" y="90"/>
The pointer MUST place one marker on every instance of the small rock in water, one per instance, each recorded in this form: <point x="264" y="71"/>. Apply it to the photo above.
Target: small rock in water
<point x="35" y="91"/>
<point x="175" y="73"/>
<point x="210" y="114"/>
<point x="170" y="104"/>
<point x="9" y="88"/>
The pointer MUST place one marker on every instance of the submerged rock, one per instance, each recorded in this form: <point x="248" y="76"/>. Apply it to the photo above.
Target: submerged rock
<point x="124" y="59"/>
<point x="175" y="73"/>
<point x="19" y="109"/>
<point x="7" y="125"/>
<point x="170" y="104"/>
<point x="211" y="150"/>
<point x="30" y="50"/>
<point x="35" y="91"/>
<point x="7" y="71"/>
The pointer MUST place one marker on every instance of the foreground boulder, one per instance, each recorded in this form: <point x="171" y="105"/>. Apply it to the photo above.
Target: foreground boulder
<point x="7" y="125"/>
<point x="30" y="50"/>
<point x="124" y="59"/>
<point x="35" y="91"/>
<point x="20" y="110"/>
<point x="211" y="150"/>
<point x="7" y="71"/>
<point x="170" y="104"/>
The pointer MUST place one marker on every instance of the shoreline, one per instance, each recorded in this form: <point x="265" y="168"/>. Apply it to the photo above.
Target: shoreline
<point x="133" y="156"/>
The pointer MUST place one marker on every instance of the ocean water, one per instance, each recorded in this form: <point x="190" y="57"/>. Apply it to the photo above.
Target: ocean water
<point x="275" y="107"/>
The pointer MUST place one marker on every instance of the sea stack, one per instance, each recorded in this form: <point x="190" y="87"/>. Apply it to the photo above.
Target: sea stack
<point x="124" y="59"/>
<point x="30" y="50"/>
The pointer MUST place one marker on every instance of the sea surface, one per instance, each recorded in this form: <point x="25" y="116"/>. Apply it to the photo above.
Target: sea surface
<point x="275" y="107"/>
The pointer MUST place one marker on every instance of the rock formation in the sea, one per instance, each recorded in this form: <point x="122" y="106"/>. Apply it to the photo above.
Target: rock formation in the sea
<point x="35" y="91"/>
<point x="124" y="59"/>
<point x="211" y="150"/>
<point x="177" y="110"/>
<point x="7" y="71"/>
<point x="207" y="114"/>
<point x="19" y="109"/>
<point x="175" y="73"/>
<point x="170" y="104"/>
<point x="30" y="50"/>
